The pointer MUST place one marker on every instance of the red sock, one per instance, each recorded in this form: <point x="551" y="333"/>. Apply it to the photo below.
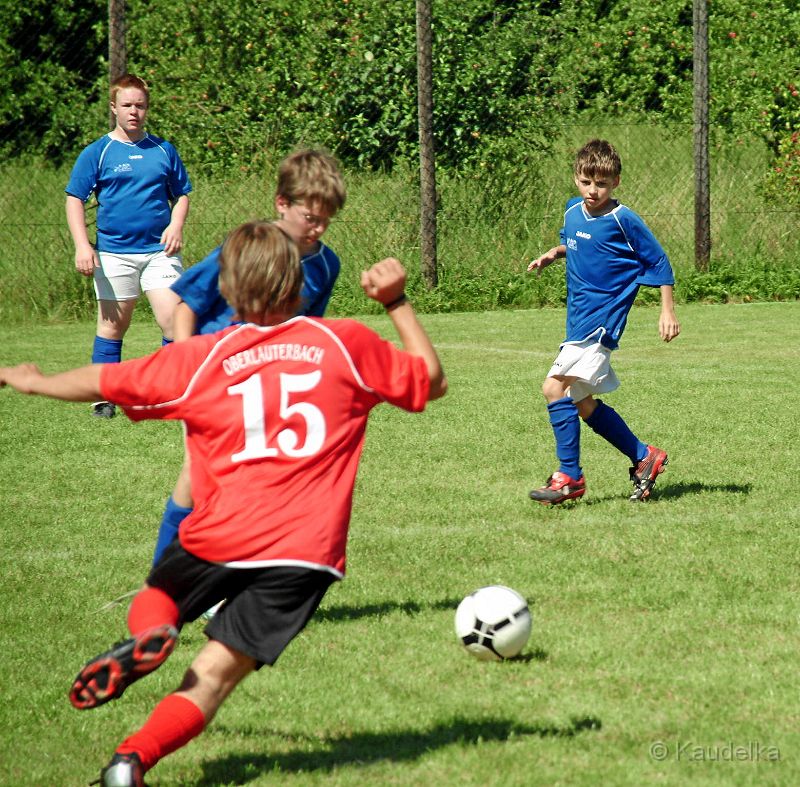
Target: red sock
<point x="173" y="723"/>
<point x="151" y="607"/>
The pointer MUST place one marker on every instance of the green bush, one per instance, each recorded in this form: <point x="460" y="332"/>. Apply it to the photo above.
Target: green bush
<point x="51" y="70"/>
<point x="233" y="86"/>
<point x="237" y="82"/>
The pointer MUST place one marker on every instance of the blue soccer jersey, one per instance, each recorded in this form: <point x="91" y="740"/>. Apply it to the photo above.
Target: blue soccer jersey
<point x="134" y="183"/>
<point x="320" y="271"/>
<point x="608" y="258"/>
<point x="198" y="288"/>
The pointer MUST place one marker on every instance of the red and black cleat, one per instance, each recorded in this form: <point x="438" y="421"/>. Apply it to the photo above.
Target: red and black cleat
<point x="644" y="474"/>
<point x="107" y="676"/>
<point x="559" y="487"/>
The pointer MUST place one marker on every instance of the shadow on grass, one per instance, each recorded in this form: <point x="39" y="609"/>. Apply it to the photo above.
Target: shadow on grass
<point x="369" y="748"/>
<point x="663" y="491"/>
<point x="346" y="612"/>
<point x="537" y="654"/>
<point x="698" y="488"/>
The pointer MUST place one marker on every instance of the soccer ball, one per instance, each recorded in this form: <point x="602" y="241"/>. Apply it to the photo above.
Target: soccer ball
<point x="493" y="623"/>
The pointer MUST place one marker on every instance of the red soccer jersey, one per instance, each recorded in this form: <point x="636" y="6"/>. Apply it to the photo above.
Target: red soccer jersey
<point x="275" y="420"/>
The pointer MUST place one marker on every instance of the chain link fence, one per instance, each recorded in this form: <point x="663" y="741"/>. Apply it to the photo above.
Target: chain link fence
<point x="383" y="212"/>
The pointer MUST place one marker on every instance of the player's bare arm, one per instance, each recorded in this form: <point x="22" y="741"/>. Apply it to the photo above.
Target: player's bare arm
<point x="548" y="258"/>
<point x="75" y="385"/>
<point x="668" y="325"/>
<point x="172" y="237"/>
<point x="385" y="282"/>
<point x="86" y="259"/>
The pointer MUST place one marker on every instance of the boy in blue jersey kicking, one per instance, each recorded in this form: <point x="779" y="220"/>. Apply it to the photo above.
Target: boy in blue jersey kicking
<point x="309" y="193"/>
<point x="142" y="190"/>
<point x="610" y="253"/>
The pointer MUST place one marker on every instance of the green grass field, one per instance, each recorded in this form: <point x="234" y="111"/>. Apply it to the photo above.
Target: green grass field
<point x="669" y="624"/>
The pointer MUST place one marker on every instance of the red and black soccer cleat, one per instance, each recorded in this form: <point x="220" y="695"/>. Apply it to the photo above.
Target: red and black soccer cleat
<point x="107" y="676"/>
<point x="559" y="487"/>
<point x="644" y="474"/>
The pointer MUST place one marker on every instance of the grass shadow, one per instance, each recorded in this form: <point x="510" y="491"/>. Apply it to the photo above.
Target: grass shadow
<point x="696" y="487"/>
<point x="348" y="612"/>
<point x="663" y="491"/>
<point x="367" y="748"/>
<point x="537" y="654"/>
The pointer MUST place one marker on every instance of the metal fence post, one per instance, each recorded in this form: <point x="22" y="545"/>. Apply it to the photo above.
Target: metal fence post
<point x="426" y="147"/>
<point x="117" y="47"/>
<point x="702" y="196"/>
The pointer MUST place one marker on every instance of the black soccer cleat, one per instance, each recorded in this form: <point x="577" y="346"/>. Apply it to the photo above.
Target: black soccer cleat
<point x="124" y="770"/>
<point x="107" y="676"/>
<point x="645" y="473"/>
<point x="559" y="487"/>
<point x="104" y="410"/>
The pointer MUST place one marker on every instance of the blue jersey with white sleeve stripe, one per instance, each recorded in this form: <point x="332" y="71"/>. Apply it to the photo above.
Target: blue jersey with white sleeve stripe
<point x="134" y="183"/>
<point x="608" y="258"/>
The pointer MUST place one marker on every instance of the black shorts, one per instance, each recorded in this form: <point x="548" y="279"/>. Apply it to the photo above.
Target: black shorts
<point x="264" y="609"/>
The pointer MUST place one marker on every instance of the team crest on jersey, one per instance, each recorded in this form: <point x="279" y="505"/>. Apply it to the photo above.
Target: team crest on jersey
<point x="572" y="244"/>
<point x="123" y="168"/>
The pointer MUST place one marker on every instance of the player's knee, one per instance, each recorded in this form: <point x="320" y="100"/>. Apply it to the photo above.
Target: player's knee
<point x="552" y="389"/>
<point x="586" y="407"/>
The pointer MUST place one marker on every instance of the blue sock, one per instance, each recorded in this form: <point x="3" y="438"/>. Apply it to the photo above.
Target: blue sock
<point x="106" y="350"/>
<point x="608" y="423"/>
<point x="168" y="529"/>
<point x="567" y="430"/>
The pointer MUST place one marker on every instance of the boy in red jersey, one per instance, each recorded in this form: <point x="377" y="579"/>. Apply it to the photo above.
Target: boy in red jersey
<point x="275" y="412"/>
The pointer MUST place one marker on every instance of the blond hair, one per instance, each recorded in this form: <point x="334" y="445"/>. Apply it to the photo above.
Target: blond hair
<point x="260" y="272"/>
<point x="127" y="81"/>
<point x="312" y="175"/>
<point x="598" y="158"/>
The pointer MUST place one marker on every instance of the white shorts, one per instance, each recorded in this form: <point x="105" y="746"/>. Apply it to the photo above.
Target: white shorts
<point x="590" y="363"/>
<point x="122" y="277"/>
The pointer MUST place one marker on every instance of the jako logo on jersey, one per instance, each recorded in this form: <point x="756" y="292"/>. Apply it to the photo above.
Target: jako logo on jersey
<point x="585" y="235"/>
<point x="136" y="155"/>
<point x="123" y="168"/>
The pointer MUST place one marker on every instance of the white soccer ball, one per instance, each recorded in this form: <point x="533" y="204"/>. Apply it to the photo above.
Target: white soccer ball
<point x="493" y="623"/>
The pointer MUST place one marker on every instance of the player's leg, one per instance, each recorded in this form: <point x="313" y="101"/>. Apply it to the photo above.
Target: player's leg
<point x="609" y="424"/>
<point x="179" y="506"/>
<point x="269" y="610"/>
<point x="160" y="273"/>
<point x="113" y="319"/>
<point x="567" y="483"/>
<point x="181" y="716"/>
<point x="116" y="285"/>
<point x="153" y="620"/>
<point x="213" y="675"/>
<point x="647" y="461"/>
<point x="163" y="303"/>
<point x="178" y="589"/>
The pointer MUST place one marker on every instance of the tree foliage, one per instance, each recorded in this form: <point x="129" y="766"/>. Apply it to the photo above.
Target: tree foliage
<point x="51" y="68"/>
<point x="235" y="80"/>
